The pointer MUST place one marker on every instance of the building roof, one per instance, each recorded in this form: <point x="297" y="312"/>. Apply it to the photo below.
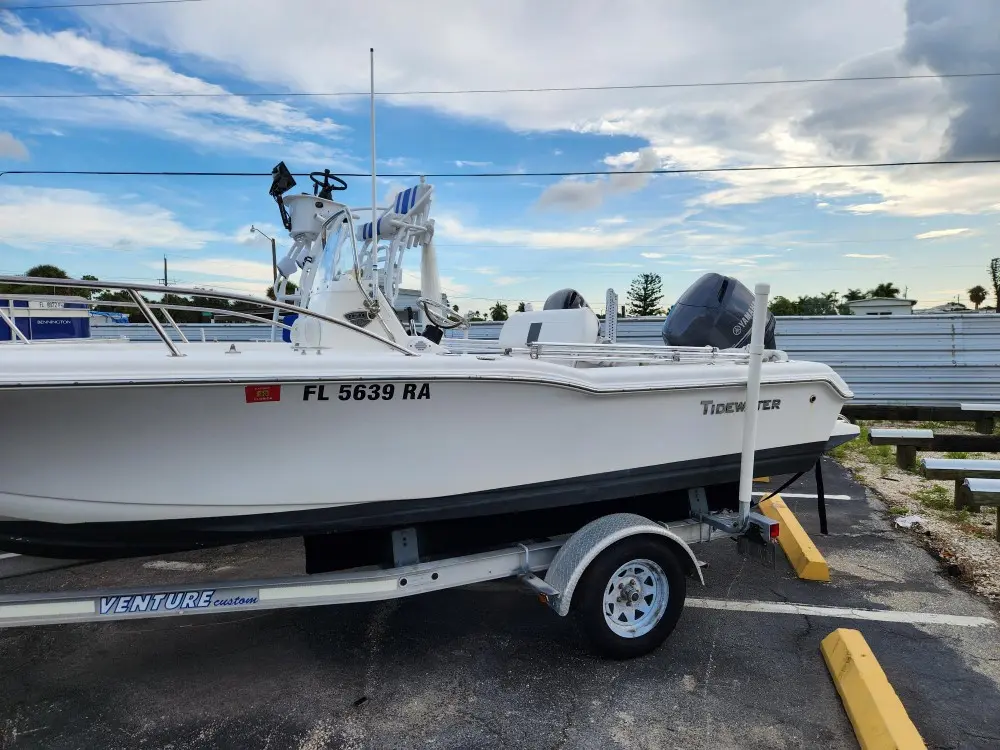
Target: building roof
<point x="882" y="301"/>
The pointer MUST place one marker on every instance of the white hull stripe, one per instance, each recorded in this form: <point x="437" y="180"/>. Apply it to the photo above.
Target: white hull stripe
<point x="816" y="610"/>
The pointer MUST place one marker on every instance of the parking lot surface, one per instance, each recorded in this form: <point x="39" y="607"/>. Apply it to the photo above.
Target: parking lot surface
<point x="488" y="666"/>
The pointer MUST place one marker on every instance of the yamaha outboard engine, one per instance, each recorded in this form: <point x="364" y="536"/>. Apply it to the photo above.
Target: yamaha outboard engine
<point x="565" y="299"/>
<point x="715" y="311"/>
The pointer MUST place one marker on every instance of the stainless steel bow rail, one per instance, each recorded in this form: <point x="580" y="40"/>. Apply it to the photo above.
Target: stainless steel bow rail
<point x="147" y="308"/>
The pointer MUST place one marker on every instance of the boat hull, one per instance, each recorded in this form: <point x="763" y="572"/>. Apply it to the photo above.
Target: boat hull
<point x="154" y="468"/>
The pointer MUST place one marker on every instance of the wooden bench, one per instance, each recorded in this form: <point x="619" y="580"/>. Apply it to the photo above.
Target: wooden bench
<point x="985" y="416"/>
<point x="960" y="470"/>
<point x="906" y="442"/>
<point x="984" y="492"/>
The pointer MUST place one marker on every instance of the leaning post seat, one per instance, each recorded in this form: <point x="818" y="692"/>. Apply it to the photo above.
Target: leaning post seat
<point x="411" y="203"/>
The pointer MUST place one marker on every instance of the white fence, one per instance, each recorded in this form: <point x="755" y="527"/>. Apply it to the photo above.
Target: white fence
<point x="931" y="360"/>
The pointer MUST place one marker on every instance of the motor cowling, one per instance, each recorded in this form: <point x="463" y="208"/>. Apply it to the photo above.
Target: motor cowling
<point x="565" y="299"/>
<point x="717" y="311"/>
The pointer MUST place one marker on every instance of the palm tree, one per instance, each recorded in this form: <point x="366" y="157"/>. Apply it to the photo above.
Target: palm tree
<point x="977" y="295"/>
<point x="853" y="294"/>
<point x="885" y="290"/>
<point x="498" y="311"/>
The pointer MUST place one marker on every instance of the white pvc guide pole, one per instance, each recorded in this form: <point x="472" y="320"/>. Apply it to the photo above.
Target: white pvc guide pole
<point x="761" y="292"/>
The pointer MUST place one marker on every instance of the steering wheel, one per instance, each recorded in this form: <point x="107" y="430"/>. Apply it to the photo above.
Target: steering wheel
<point x="450" y="319"/>
<point x="323" y="188"/>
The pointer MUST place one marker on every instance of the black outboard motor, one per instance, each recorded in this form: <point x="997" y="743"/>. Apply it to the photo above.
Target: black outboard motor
<point x="564" y="299"/>
<point x="717" y="311"/>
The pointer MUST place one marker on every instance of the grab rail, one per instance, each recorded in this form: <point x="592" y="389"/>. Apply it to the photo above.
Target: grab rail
<point x="147" y="307"/>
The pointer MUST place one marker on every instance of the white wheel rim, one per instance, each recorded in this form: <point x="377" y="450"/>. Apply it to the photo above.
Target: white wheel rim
<point x="635" y="598"/>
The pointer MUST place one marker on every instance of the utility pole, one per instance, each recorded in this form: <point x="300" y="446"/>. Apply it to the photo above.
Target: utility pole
<point x="164" y="270"/>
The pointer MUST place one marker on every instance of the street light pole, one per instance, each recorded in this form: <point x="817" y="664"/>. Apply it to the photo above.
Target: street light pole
<point x="274" y="254"/>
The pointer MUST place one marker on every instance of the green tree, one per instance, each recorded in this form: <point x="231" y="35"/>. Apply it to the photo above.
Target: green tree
<point x="886" y="289"/>
<point x="995" y="278"/>
<point x="134" y="315"/>
<point x="181" y="315"/>
<point x="977" y="295"/>
<point x="290" y="288"/>
<point x="783" y="306"/>
<point x="824" y="304"/>
<point x="644" y="295"/>
<point x="475" y="316"/>
<point x="83" y="291"/>
<point x="853" y="295"/>
<point x="498" y="311"/>
<point x="520" y="307"/>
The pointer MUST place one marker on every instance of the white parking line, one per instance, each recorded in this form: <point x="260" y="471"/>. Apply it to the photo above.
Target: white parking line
<point x="806" y="495"/>
<point x="880" y="615"/>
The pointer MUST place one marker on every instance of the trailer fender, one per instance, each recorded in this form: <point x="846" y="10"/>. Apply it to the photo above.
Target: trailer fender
<point x="580" y="550"/>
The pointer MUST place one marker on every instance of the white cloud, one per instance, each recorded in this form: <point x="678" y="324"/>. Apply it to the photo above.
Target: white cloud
<point x="586" y="238"/>
<point x="613" y="220"/>
<point x="230" y="268"/>
<point x="451" y="287"/>
<point x="689" y="128"/>
<point x="43" y="217"/>
<point x="462" y="163"/>
<point x="395" y="162"/>
<point x="822" y="204"/>
<point x="939" y="233"/>
<point x="486" y="270"/>
<point x="574" y="194"/>
<point x="228" y="122"/>
<point x="653" y="255"/>
<point x="867" y="256"/>
<point x="11" y="148"/>
<point x="509" y="280"/>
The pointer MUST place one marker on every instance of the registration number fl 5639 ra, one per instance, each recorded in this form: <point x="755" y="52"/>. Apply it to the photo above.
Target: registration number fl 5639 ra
<point x="367" y="392"/>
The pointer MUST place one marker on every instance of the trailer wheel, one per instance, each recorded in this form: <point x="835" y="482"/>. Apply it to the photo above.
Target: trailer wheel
<point x="630" y="597"/>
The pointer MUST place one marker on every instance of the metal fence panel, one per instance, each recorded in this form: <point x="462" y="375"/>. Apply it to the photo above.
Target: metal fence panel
<point x="930" y="360"/>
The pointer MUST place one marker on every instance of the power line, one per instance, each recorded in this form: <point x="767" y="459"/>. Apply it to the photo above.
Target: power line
<point x="100" y="4"/>
<point x="533" y="90"/>
<point x="455" y="175"/>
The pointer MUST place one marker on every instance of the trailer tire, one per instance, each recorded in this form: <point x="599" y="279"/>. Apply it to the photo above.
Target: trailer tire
<point x="630" y="597"/>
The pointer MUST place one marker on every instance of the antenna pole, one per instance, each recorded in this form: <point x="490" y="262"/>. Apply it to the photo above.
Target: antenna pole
<point x="374" y="251"/>
<point x="164" y="270"/>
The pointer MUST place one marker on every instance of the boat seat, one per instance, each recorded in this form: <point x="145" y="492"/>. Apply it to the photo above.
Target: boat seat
<point x="573" y="326"/>
<point x="405" y="202"/>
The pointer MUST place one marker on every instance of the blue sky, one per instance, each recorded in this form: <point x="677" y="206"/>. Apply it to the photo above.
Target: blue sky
<point x="931" y="230"/>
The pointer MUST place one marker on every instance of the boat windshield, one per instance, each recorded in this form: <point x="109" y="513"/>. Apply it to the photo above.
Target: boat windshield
<point x="338" y="252"/>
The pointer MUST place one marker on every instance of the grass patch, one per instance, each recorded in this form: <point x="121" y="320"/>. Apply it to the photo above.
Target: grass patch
<point x="897" y="510"/>
<point x="880" y="455"/>
<point x="956" y="454"/>
<point x="934" y="497"/>
<point x="935" y="425"/>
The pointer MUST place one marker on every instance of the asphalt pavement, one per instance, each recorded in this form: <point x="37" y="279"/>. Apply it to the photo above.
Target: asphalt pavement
<point x="488" y="666"/>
